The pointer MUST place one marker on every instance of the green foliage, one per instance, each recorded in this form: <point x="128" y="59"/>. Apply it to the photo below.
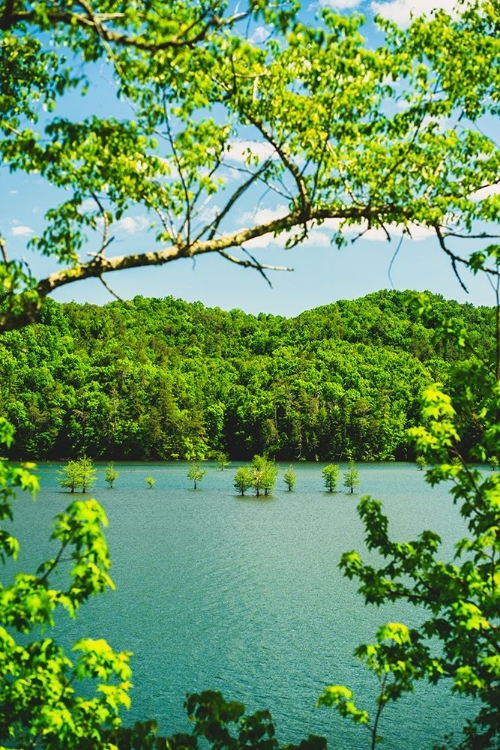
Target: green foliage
<point x="345" y="377"/>
<point x="458" y="598"/>
<point x="80" y="473"/>
<point x="222" y="460"/>
<point x="243" y="479"/>
<point x="331" y="476"/>
<point x="151" y="481"/>
<point x="290" y="478"/>
<point x="111" y="475"/>
<point x="421" y="462"/>
<point x="342" y="699"/>
<point x="388" y="136"/>
<point x="40" y="701"/>
<point x="224" y="724"/>
<point x="390" y="663"/>
<point x="381" y="148"/>
<point x="196" y="474"/>
<point x="351" y="477"/>
<point x="264" y="475"/>
<point x="493" y="463"/>
<point x="70" y="476"/>
<point x="261" y="475"/>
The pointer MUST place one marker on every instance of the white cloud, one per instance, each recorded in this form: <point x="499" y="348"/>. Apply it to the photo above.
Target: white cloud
<point x="263" y="215"/>
<point x="314" y="238"/>
<point x="13" y="192"/>
<point x="320" y="235"/>
<point x="414" y="231"/>
<point x="88" y="204"/>
<point x="485" y="192"/>
<point x="259" y="35"/>
<point x="333" y="224"/>
<point x="132" y="225"/>
<point x="317" y="238"/>
<point x="340" y="4"/>
<point x="22" y="231"/>
<point x="239" y="150"/>
<point x="400" y="11"/>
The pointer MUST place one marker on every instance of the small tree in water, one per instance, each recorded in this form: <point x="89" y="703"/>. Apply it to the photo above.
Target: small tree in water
<point x="88" y="473"/>
<point x="151" y="482"/>
<point x="493" y="463"/>
<point x="222" y="460"/>
<point x="79" y="473"/>
<point x="196" y="474"/>
<point x="111" y="475"/>
<point x="290" y="478"/>
<point x="69" y="476"/>
<point x="243" y="479"/>
<point x="331" y="476"/>
<point x="351" y="477"/>
<point x="264" y="474"/>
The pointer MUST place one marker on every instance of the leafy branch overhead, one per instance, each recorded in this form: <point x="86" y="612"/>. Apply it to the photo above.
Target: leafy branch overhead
<point x="326" y="127"/>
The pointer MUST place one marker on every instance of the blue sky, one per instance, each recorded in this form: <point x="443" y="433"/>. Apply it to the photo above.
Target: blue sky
<point x="322" y="273"/>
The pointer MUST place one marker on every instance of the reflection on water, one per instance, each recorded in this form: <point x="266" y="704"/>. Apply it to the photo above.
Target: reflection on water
<point x="244" y="595"/>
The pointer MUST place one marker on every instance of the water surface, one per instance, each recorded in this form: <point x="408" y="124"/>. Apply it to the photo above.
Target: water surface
<point x="244" y="595"/>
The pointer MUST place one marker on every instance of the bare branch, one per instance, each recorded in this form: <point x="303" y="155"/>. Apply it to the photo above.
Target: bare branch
<point x="253" y="263"/>
<point x="235" y="197"/>
<point x="101" y="264"/>
<point x="105" y="231"/>
<point x="187" y="221"/>
<point x="3" y="250"/>
<point x="396" y="253"/>
<point x="453" y="257"/>
<point x="480" y="236"/>
<point x="110" y="290"/>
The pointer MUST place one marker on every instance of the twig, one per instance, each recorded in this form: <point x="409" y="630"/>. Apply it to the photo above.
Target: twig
<point x="113" y="293"/>
<point x="389" y="276"/>
<point x="3" y="251"/>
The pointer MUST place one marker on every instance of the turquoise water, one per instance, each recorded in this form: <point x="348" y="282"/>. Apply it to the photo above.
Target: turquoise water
<point x="244" y="595"/>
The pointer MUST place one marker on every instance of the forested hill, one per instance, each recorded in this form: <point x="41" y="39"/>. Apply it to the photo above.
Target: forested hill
<point x="166" y="379"/>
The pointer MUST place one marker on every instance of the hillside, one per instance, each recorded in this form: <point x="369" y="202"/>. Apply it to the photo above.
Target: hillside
<point x="167" y="379"/>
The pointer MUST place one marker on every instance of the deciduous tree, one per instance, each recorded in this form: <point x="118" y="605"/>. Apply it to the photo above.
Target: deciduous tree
<point x="368" y="138"/>
<point x="340" y="132"/>
<point x="243" y="479"/>
<point x="79" y="473"/>
<point x="69" y="476"/>
<point x="421" y="462"/>
<point x="40" y="700"/>
<point x="264" y="475"/>
<point x="351" y="477"/>
<point x="196" y="474"/>
<point x="290" y="478"/>
<point x="111" y="475"/>
<point x="457" y="596"/>
<point x="331" y="477"/>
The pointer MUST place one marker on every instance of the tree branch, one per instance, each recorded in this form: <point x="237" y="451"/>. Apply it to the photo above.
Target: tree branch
<point x="100" y="264"/>
<point x="190" y="37"/>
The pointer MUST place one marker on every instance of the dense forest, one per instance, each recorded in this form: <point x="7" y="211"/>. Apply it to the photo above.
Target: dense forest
<point x="166" y="379"/>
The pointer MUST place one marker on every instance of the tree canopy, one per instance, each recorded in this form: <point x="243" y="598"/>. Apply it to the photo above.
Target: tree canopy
<point x="351" y="134"/>
<point x="335" y="129"/>
<point x="174" y="380"/>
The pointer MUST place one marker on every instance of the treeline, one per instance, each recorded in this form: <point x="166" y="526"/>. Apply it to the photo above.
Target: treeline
<point x="166" y="379"/>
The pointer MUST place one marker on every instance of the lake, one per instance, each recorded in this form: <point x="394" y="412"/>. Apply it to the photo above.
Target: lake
<point x="244" y="594"/>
